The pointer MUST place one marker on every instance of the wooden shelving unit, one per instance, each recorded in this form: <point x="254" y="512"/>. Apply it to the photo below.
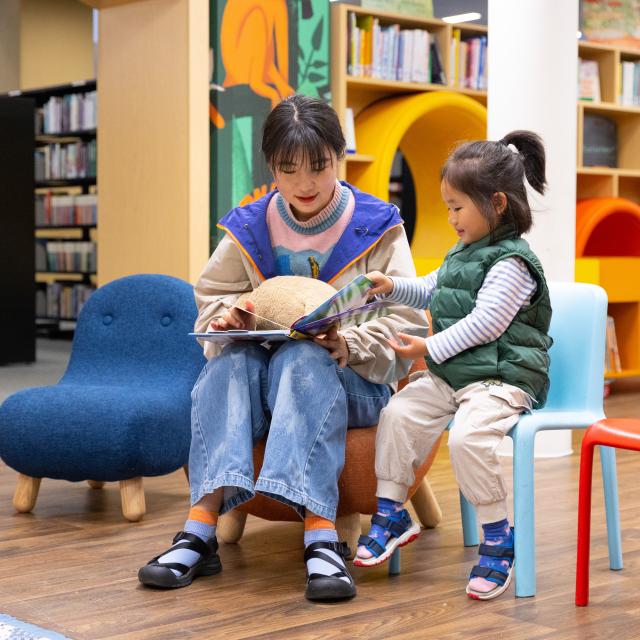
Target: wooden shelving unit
<point x="617" y="271"/>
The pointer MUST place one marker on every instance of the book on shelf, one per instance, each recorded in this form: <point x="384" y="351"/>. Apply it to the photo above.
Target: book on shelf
<point x="349" y="131"/>
<point x="71" y="113"/>
<point x="588" y="80"/>
<point x="62" y="256"/>
<point x="388" y="52"/>
<point x="347" y="307"/>
<point x="600" y="141"/>
<point x="62" y="300"/>
<point x="630" y="83"/>
<point x="468" y="61"/>
<point x="612" y="355"/>
<point x="54" y="209"/>
<point x="65" y="160"/>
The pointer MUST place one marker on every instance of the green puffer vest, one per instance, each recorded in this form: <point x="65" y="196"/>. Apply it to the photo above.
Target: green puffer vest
<point x="520" y="355"/>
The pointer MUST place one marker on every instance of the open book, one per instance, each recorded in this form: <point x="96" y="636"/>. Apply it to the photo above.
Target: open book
<point x="346" y="308"/>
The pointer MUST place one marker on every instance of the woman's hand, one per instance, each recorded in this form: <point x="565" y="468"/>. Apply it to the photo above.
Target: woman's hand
<point x="236" y="318"/>
<point x="335" y="344"/>
<point x="381" y="283"/>
<point x="412" y="347"/>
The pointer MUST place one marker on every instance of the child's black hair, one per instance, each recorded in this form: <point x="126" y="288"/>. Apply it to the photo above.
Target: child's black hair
<point x="484" y="168"/>
<point x="303" y="129"/>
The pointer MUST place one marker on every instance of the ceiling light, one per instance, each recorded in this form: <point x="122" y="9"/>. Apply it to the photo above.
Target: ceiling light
<point x="463" y="17"/>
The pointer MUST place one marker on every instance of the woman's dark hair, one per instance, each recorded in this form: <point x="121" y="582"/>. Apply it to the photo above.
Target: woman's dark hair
<point x="301" y="128"/>
<point x="481" y="169"/>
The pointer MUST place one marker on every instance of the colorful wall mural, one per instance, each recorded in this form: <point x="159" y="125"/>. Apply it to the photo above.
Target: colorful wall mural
<point x="261" y="51"/>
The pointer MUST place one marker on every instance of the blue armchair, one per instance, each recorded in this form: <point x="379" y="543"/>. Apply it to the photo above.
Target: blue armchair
<point x="122" y="409"/>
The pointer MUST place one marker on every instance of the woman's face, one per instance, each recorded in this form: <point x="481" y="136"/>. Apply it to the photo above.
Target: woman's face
<point x="308" y="189"/>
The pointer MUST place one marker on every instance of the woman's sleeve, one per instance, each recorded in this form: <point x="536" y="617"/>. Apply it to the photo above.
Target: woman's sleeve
<point x="220" y="284"/>
<point x="369" y="352"/>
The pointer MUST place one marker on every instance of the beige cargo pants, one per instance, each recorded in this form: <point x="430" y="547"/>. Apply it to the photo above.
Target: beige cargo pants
<point x="414" y="418"/>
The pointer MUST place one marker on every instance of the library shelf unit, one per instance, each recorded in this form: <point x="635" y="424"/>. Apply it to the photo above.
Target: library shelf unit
<point x="64" y="125"/>
<point x="394" y="115"/>
<point x="608" y="210"/>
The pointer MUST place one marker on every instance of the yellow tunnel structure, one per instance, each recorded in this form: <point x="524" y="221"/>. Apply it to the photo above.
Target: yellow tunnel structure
<point x="425" y="127"/>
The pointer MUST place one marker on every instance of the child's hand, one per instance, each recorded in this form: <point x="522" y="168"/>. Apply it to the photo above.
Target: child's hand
<point x="412" y="347"/>
<point x="236" y="318"/>
<point x="381" y="283"/>
<point x="335" y="343"/>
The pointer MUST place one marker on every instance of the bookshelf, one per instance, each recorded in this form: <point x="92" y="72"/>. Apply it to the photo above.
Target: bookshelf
<point x="608" y="211"/>
<point x="390" y="115"/>
<point x="65" y="187"/>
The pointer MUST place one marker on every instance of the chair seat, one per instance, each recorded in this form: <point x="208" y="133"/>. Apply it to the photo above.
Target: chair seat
<point x="620" y="433"/>
<point x="81" y="431"/>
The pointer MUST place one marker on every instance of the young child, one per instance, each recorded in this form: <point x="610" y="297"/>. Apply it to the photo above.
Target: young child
<point x="301" y="395"/>
<point x="488" y="357"/>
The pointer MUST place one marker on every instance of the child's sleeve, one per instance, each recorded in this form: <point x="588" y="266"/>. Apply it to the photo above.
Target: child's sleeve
<point x="507" y="287"/>
<point x="413" y="292"/>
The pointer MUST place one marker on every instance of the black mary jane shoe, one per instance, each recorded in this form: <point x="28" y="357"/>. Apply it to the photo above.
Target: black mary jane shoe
<point x="159" y="574"/>
<point x="333" y="587"/>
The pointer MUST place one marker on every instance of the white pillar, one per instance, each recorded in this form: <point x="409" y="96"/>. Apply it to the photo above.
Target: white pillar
<point x="533" y="53"/>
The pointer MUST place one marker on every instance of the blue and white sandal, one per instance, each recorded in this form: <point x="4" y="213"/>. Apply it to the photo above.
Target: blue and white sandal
<point x="501" y="576"/>
<point x="402" y="532"/>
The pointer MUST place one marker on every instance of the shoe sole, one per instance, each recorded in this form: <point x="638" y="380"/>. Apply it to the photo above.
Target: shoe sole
<point x="494" y="593"/>
<point x="169" y="580"/>
<point x="408" y="536"/>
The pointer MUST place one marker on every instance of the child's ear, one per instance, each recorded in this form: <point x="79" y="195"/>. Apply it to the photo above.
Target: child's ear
<point x="499" y="200"/>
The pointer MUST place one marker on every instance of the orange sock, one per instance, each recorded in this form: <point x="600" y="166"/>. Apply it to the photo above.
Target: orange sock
<point x="317" y="522"/>
<point x="199" y="514"/>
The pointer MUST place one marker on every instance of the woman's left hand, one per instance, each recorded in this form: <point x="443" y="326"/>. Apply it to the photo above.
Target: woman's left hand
<point x="412" y="347"/>
<point x="335" y="344"/>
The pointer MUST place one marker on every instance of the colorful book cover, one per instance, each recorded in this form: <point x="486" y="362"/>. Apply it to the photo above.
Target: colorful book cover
<point x="346" y="308"/>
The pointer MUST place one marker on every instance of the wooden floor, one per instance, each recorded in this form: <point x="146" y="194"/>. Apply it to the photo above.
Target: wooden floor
<point x="71" y="566"/>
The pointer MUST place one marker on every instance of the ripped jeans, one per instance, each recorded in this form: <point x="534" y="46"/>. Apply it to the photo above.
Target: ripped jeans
<point x="298" y="398"/>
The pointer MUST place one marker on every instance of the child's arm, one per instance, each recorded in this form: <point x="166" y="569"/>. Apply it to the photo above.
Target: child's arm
<point x="507" y="287"/>
<point x="412" y="292"/>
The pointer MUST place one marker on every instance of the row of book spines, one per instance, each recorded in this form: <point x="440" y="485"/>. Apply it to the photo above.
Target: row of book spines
<point x="630" y="83"/>
<point x="468" y="62"/>
<point x="391" y="53"/>
<point x="64" y="161"/>
<point x="73" y="112"/>
<point x="62" y="300"/>
<point x="65" y="255"/>
<point x="612" y="355"/>
<point x="60" y="210"/>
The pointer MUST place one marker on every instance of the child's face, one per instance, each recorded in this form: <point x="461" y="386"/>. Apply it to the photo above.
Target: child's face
<point x="308" y="189"/>
<point x="464" y="216"/>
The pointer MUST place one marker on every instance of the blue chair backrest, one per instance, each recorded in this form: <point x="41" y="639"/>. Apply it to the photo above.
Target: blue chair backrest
<point x="578" y="327"/>
<point x="134" y="331"/>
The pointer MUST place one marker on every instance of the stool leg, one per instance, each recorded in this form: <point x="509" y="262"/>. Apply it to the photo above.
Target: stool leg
<point x="426" y="505"/>
<point x="610" y="483"/>
<point x="469" y="522"/>
<point x="231" y="526"/>
<point x="394" y="563"/>
<point x="132" y="497"/>
<point x="584" y="523"/>
<point x="26" y="493"/>
<point x="349" y="530"/>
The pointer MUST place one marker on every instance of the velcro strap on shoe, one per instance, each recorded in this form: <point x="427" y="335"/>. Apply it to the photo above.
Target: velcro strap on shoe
<point x="489" y="574"/>
<point x="193" y="542"/>
<point x="495" y="551"/>
<point x="381" y="521"/>
<point x="337" y="547"/>
<point x="373" y="545"/>
<point x="395" y="527"/>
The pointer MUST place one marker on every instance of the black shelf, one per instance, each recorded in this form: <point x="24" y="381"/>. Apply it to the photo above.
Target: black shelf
<point x="71" y="182"/>
<point x="46" y="138"/>
<point x="43" y="94"/>
<point x="66" y="226"/>
<point x="66" y="273"/>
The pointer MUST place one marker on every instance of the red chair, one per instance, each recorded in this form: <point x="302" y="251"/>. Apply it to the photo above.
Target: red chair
<point x="616" y="433"/>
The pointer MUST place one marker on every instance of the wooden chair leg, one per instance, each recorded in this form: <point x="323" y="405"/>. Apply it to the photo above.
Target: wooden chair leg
<point x="132" y="496"/>
<point x="95" y="484"/>
<point x="349" y="529"/>
<point x="26" y="493"/>
<point x="426" y="505"/>
<point x="231" y="526"/>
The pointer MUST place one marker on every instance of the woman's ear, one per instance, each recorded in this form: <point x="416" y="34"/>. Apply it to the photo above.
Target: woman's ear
<point x="499" y="200"/>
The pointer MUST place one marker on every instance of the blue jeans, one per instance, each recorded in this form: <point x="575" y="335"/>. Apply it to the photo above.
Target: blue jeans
<point x="300" y="400"/>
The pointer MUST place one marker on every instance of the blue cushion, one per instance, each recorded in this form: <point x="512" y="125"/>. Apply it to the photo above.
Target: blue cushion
<point x="122" y="408"/>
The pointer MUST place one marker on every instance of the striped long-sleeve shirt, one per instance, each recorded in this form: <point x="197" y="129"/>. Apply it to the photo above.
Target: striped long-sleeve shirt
<point x="507" y="287"/>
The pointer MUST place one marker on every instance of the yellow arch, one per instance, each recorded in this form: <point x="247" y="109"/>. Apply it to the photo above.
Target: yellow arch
<point x="426" y="127"/>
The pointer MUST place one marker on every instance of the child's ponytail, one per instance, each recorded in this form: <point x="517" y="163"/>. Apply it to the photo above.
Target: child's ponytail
<point x="530" y="147"/>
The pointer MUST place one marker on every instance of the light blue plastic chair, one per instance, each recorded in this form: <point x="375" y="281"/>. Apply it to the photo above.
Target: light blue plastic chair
<point x="575" y="401"/>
